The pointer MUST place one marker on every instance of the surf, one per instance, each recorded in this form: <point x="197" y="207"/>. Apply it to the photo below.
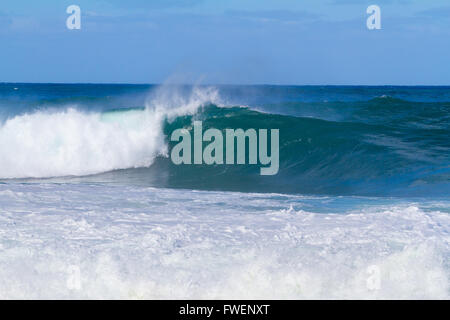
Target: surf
<point x="75" y="142"/>
<point x="384" y="146"/>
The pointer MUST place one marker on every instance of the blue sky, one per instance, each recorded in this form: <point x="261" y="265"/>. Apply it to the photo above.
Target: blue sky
<point x="226" y="41"/>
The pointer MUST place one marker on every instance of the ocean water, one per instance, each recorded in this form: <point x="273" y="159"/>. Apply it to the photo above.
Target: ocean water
<point x="91" y="205"/>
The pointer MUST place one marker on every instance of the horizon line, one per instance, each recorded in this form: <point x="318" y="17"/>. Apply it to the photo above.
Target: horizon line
<point x="229" y="84"/>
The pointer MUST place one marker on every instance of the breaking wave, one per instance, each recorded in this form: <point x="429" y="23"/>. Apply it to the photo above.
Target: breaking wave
<point x="383" y="146"/>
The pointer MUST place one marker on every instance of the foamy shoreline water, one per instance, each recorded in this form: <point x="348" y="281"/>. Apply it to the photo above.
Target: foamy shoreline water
<point x="131" y="242"/>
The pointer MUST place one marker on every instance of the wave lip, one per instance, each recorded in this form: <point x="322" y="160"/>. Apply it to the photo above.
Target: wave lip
<point x="72" y="142"/>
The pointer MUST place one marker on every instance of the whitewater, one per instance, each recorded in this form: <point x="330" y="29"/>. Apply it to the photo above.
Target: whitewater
<point x="92" y="207"/>
<point x="148" y="243"/>
<point x="49" y="142"/>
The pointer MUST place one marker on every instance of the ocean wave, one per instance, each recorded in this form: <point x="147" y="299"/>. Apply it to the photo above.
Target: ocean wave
<point x="55" y="142"/>
<point x="383" y="146"/>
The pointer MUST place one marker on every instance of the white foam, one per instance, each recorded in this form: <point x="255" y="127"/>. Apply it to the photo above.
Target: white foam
<point x="52" y="143"/>
<point x="132" y="243"/>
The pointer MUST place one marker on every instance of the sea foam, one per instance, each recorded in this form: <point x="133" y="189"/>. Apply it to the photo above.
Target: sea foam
<point x="100" y="241"/>
<point x="68" y="141"/>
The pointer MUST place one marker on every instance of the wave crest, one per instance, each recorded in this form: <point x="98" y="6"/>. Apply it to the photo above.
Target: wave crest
<point x="72" y="142"/>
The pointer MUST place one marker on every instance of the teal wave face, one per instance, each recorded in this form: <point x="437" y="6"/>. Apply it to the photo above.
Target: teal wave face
<point x="326" y="157"/>
<point x="404" y="155"/>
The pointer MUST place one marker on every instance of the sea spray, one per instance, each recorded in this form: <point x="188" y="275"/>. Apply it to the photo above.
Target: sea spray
<point x="49" y="143"/>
